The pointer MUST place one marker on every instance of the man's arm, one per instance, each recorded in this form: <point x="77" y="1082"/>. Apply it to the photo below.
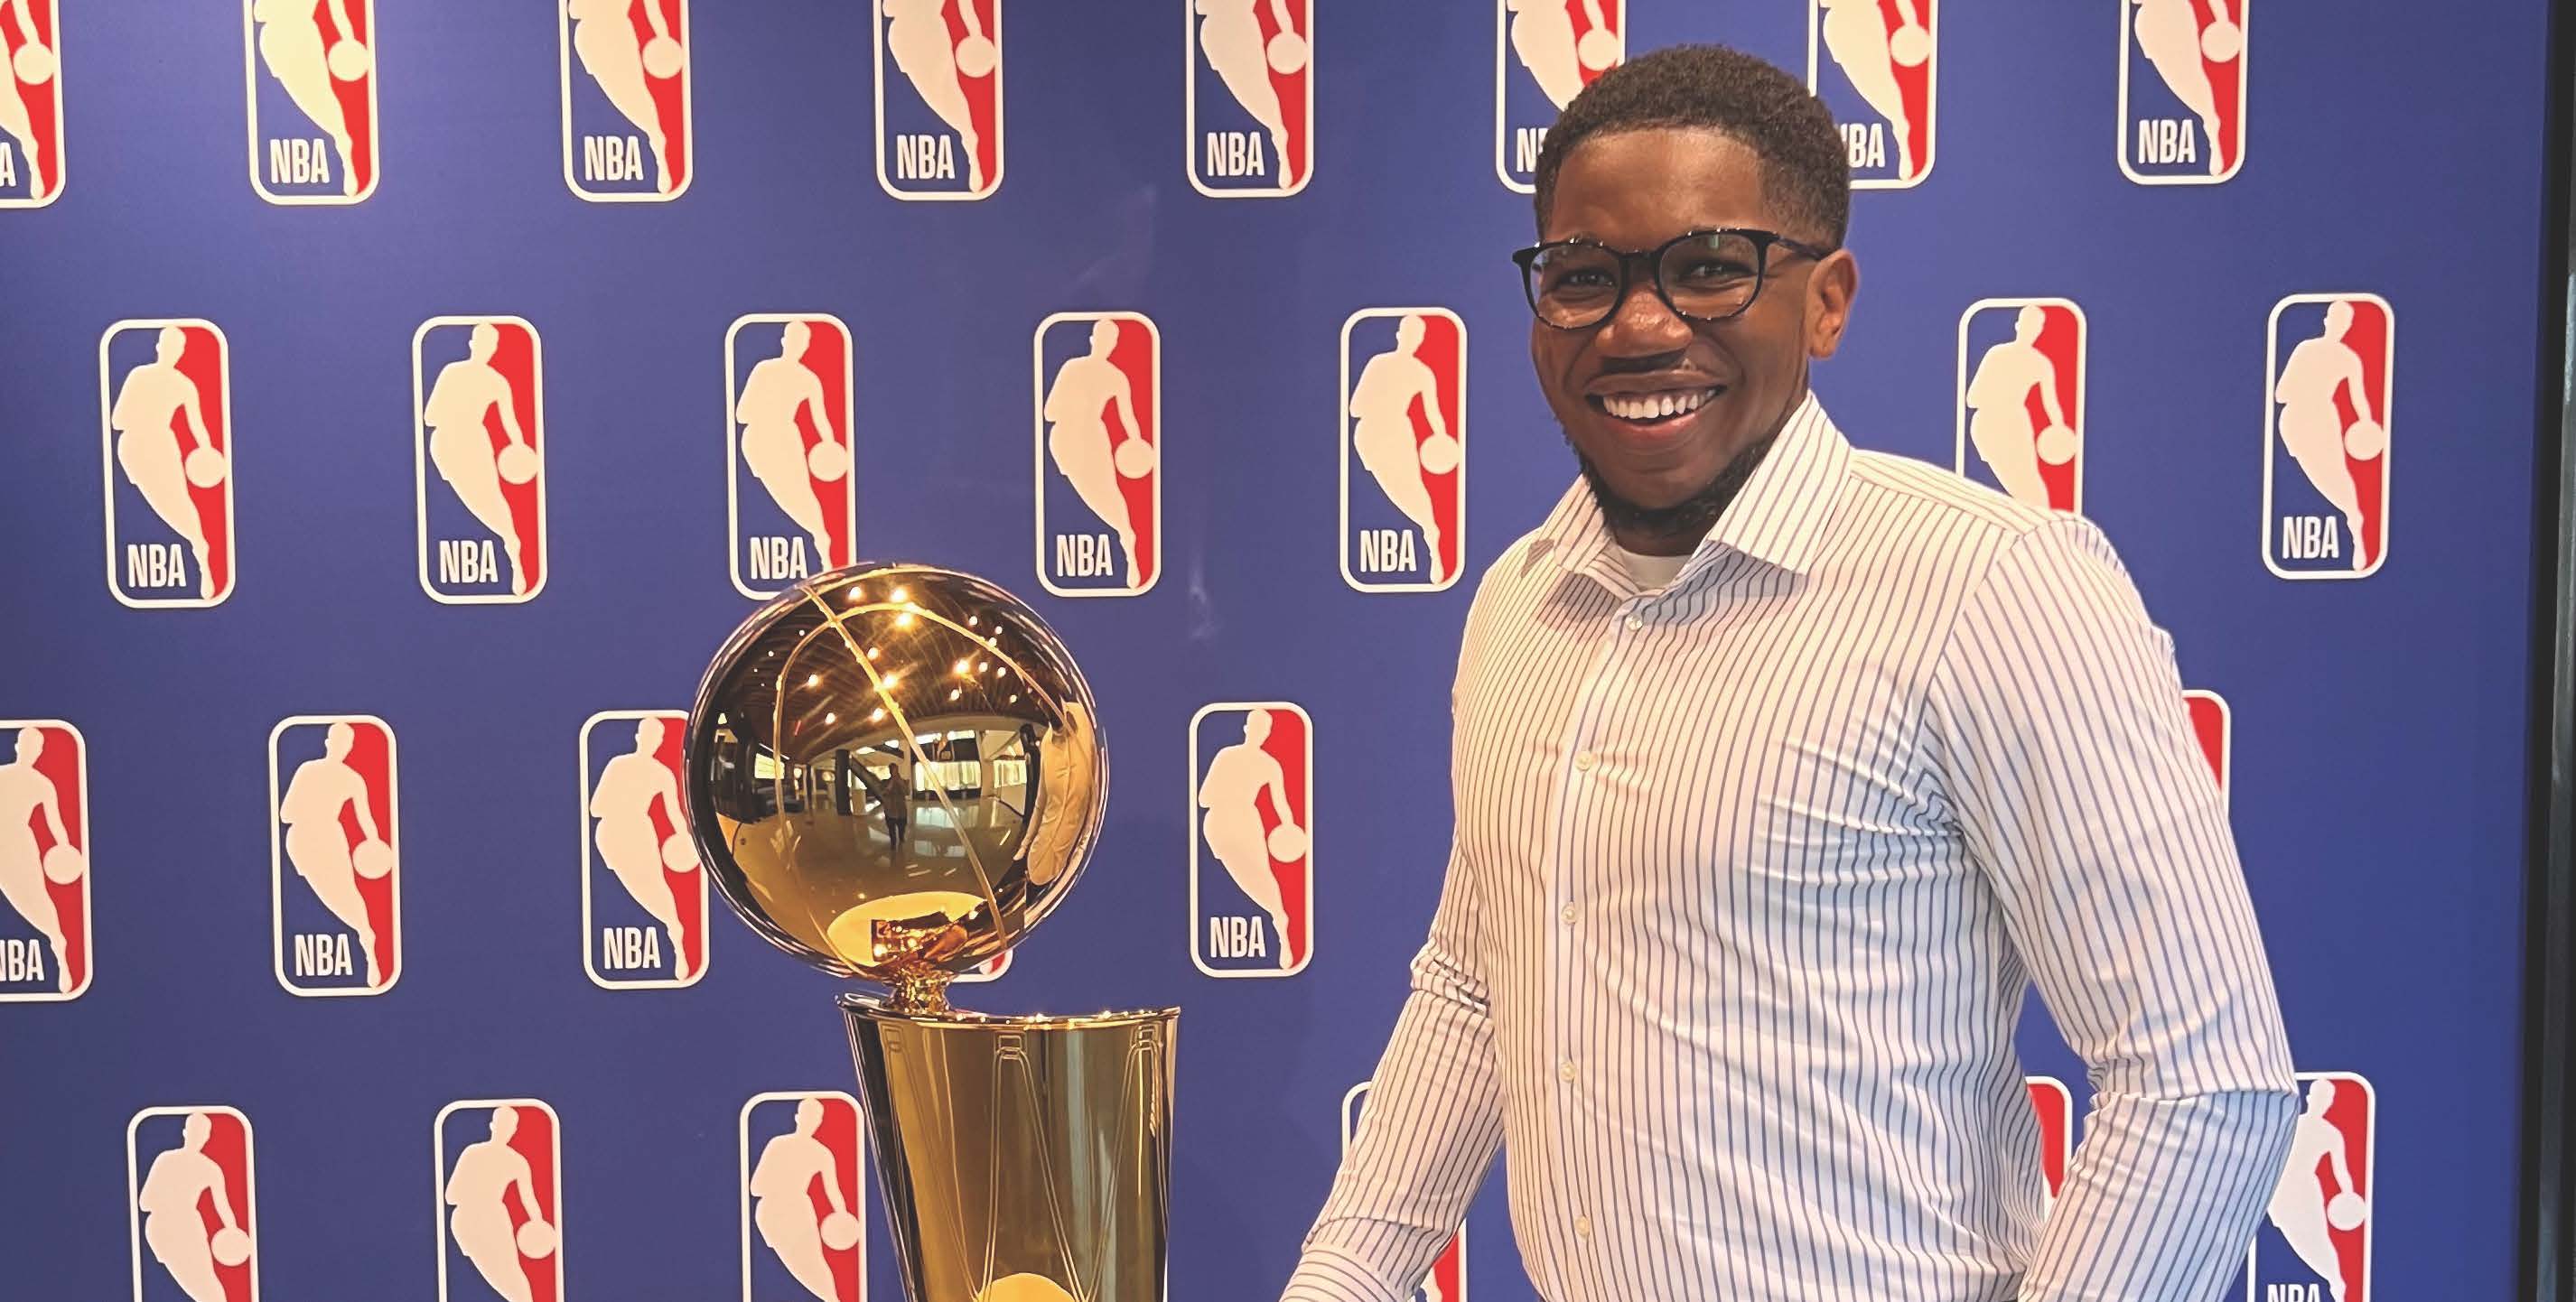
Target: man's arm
<point x="1433" y="1124"/>
<point x="2058" y="724"/>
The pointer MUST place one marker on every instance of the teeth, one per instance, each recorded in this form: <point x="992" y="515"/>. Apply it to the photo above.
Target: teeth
<point x="1655" y="406"/>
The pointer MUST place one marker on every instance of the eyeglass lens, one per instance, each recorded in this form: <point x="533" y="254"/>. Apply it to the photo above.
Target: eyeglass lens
<point x="1707" y="276"/>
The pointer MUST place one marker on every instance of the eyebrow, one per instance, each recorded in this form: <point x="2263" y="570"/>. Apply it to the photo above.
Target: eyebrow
<point x="1584" y="234"/>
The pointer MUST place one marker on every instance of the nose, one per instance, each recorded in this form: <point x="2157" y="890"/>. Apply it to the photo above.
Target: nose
<point x="1642" y="324"/>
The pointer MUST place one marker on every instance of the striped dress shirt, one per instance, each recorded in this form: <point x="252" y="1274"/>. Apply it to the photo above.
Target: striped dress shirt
<point x="1750" y="876"/>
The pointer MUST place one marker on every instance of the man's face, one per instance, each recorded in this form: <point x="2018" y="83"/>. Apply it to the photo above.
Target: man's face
<point x="1635" y="190"/>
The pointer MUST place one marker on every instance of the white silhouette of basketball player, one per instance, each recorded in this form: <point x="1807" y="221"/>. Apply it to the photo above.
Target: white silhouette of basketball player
<point x="777" y="388"/>
<point x="1078" y="441"/>
<point x="1382" y="429"/>
<point x="2169" y="35"/>
<point x="2312" y="429"/>
<point x="1543" y="38"/>
<point x="1231" y="36"/>
<point x="2300" y="1207"/>
<point x="147" y="448"/>
<point x="32" y="57"/>
<point x="1236" y="777"/>
<point x="603" y="38"/>
<point x="318" y="845"/>
<point x="173" y="1227"/>
<point x="487" y="1170"/>
<point x="782" y="1204"/>
<point x="1430" y="1290"/>
<point x="461" y="447"/>
<point x="25" y="793"/>
<point x="1856" y="34"/>
<point x="1998" y="401"/>
<point x="917" y="34"/>
<point x="623" y="801"/>
<point x="290" y="44"/>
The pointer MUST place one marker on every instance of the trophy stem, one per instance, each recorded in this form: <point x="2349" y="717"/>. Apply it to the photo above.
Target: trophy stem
<point x="918" y="992"/>
<point x="1021" y="1159"/>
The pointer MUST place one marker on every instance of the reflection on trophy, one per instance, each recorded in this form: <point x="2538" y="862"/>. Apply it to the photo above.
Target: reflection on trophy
<point x="894" y="772"/>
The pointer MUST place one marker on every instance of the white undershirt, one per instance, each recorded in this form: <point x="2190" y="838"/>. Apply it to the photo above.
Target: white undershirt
<point x="1650" y="572"/>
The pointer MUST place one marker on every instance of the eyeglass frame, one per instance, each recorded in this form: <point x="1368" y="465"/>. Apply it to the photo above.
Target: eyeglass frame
<point x="1654" y="258"/>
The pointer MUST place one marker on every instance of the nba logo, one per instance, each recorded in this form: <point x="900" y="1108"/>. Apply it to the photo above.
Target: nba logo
<point x="2326" y="430"/>
<point x="2314" y="1239"/>
<point x="1544" y="52"/>
<point x="987" y="970"/>
<point x="939" y="119"/>
<point x="1099" y="389"/>
<point x="44" y="863"/>
<point x="643" y="895"/>
<point x="190" y="1190"/>
<point x="500" y="1203"/>
<point x="787" y="404"/>
<point x="1249" y="107"/>
<point x="310" y="68"/>
<point x="1252" y="867"/>
<point x="1876" y="64"/>
<point x="2021" y="399"/>
<point x="165" y="433"/>
<point x="802" y="1226"/>
<point x="2213" y="725"/>
<point x="2182" y="90"/>
<point x="1447" y="1280"/>
<point x="478" y="459"/>
<point x="1404" y="419"/>
<point x="626" y="83"/>
<point x="333" y="827"/>
<point x="31" y="105"/>
<point x="2055" y="1107"/>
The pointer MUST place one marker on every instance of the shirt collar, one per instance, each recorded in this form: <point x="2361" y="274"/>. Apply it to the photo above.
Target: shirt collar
<point x="1778" y="517"/>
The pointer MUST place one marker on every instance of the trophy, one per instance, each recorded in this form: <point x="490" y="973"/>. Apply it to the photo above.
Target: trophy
<point x="894" y="772"/>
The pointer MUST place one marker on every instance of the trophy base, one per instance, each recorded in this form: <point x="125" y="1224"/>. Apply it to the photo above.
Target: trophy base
<point x="1022" y="1159"/>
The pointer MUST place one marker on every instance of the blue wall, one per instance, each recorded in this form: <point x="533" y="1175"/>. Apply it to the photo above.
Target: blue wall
<point x="2377" y="759"/>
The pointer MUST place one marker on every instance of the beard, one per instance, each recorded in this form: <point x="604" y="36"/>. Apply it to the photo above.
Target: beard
<point x="1685" y="521"/>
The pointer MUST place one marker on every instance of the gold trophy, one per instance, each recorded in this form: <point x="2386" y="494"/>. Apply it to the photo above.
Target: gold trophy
<point x="894" y="772"/>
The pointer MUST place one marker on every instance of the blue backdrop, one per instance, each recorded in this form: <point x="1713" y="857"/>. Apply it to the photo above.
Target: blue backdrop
<point x="2371" y="156"/>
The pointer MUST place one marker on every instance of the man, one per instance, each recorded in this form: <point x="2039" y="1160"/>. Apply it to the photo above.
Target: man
<point x="1781" y="769"/>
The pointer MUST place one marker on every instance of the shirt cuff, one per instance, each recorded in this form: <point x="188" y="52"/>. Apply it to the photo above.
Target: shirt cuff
<point x="1327" y="1275"/>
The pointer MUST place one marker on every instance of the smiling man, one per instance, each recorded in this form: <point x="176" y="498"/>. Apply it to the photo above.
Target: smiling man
<point x="1782" y="769"/>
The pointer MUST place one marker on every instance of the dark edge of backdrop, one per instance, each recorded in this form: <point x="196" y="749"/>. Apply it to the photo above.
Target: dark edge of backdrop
<point x="2549" y="1003"/>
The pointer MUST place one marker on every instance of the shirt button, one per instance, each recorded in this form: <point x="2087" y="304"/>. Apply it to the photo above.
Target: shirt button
<point x="1568" y="913"/>
<point x="1584" y="760"/>
<point x="1583" y="1227"/>
<point x="1635" y="623"/>
<point x="1565" y="1071"/>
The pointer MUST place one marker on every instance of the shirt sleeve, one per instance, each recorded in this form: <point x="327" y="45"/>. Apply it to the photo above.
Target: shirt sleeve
<point x="2058" y="724"/>
<point x="1432" y="1126"/>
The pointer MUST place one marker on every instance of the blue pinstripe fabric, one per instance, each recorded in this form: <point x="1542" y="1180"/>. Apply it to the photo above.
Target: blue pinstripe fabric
<point x="1750" y="878"/>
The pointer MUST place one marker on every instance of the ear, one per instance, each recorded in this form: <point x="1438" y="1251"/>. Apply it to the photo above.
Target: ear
<point x="1829" y="298"/>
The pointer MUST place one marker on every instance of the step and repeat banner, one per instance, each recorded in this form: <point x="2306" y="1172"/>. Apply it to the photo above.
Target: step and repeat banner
<point x="400" y="403"/>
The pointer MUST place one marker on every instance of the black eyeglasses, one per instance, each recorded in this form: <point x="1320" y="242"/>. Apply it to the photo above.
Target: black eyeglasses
<point x="1704" y="275"/>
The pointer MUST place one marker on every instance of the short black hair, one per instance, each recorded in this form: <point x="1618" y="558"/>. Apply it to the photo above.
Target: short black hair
<point x="1805" y="173"/>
